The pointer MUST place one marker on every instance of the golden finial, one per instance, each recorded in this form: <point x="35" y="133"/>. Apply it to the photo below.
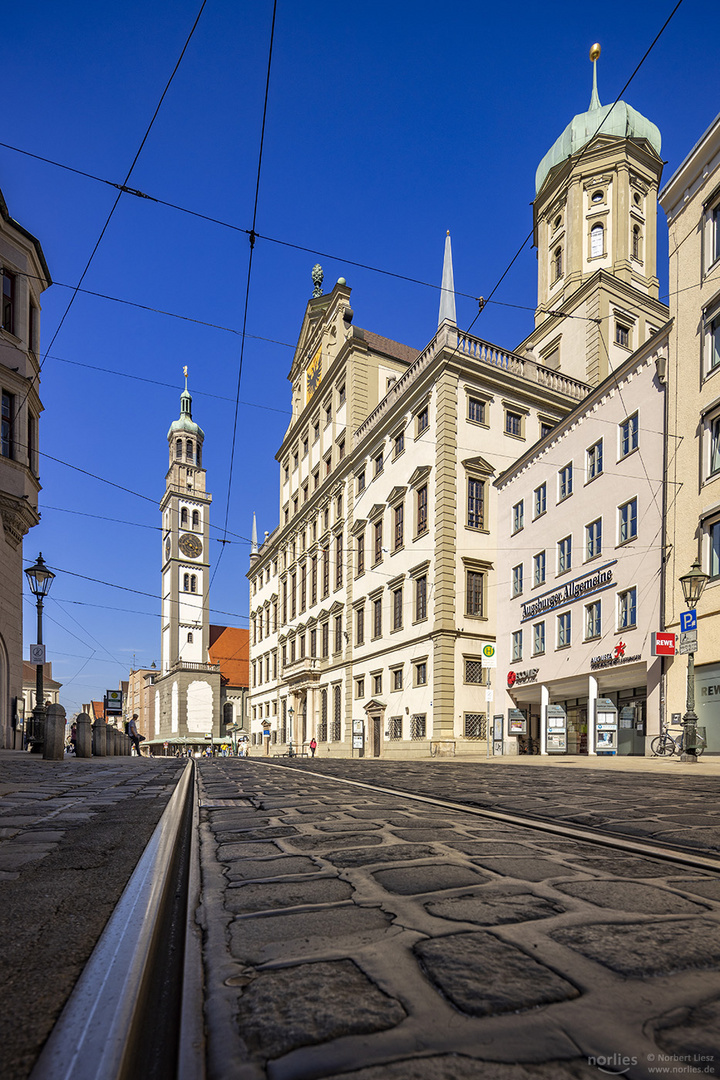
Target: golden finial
<point x="595" y="52"/>
<point x="185" y="371"/>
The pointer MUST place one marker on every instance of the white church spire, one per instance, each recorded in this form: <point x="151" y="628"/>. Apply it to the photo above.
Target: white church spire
<point x="447" y="293"/>
<point x="253" y="538"/>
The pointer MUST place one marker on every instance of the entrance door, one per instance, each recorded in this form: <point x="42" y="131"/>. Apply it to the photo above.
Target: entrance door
<point x="577" y="729"/>
<point x="377" y="736"/>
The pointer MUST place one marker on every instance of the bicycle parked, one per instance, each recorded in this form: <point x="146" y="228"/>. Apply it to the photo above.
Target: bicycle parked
<point x="665" y="745"/>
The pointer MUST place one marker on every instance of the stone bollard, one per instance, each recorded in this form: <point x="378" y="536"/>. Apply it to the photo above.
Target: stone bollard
<point x="127" y="746"/>
<point x="99" y="738"/>
<point x="111" y="745"/>
<point x="54" y="747"/>
<point x="83" y="737"/>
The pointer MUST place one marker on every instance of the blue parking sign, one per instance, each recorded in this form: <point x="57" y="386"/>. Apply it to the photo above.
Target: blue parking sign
<point x="688" y="620"/>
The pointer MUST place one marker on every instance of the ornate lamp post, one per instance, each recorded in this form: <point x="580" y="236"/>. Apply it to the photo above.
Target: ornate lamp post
<point x="39" y="579"/>
<point x="291" y="713"/>
<point x="693" y="584"/>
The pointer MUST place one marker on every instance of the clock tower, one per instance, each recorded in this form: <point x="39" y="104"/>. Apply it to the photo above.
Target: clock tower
<point x="188" y="687"/>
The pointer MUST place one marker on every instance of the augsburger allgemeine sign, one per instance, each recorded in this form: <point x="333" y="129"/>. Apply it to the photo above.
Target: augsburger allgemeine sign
<point x="595" y="581"/>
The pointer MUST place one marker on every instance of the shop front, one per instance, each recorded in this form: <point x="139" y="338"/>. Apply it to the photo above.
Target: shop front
<point x="707" y="704"/>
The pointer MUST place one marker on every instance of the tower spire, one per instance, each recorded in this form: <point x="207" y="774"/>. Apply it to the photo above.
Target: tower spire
<point x="253" y="539"/>
<point x="447" y="289"/>
<point x="594" y="100"/>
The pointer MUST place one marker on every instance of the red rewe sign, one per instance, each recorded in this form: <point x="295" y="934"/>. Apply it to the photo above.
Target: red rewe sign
<point x="663" y="644"/>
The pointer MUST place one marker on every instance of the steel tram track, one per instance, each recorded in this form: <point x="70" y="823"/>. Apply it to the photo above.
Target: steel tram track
<point x="136" y="1010"/>
<point x="674" y="853"/>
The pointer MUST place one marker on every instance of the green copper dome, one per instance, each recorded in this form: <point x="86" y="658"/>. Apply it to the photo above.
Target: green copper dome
<point x="185" y="424"/>
<point x="620" y="120"/>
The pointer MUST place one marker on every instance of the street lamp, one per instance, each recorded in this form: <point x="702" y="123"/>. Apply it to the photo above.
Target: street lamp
<point x="693" y="584"/>
<point x="39" y="579"/>
<point x="291" y="713"/>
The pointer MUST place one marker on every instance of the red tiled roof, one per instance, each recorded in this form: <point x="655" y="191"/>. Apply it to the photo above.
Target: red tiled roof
<point x="391" y="348"/>
<point x="30" y="675"/>
<point x="230" y="648"/>
<point x="98" y="709"/>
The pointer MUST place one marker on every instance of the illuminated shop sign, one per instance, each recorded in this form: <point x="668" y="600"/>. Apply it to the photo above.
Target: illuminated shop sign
<point x="517" y="678"/>
<point x="612" y="659"/>
<point x="576" y="589"/>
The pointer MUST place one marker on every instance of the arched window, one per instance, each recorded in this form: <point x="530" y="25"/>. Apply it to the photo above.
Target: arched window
<point x="193" y="583"/>
<point x="186" y="583"/>
<point x="636" y="242"/>
<point x="190" y="637"/>
<point x="597" y="241"/>
<point x="178" y="448"/>
<point x="183" y="516"/>
<point x="557" y="263"/>
<point x="322" y="726"/>
<point x="188" y="450"/>
<point x="228" y="713"/>
<point x="196" y="519"/>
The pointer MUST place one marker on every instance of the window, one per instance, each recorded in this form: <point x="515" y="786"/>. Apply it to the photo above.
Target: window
<point x="316" y="480"/>
<point x="337" y="718"/>
<point x="476" y="504"/>
<point x="378" y="541"/>
<point x="629" y="435"/>
<point x="539" y="568"/>
<point x="513" y="423"/>
<point x="592" y="620"/>
<point x="316" y="431"/>
<point x="377" y="684"/>
<point x="303" y="587"/>
<point x="713" y="343"/>
<point x="178" y="448"/>
<point x="341" y="395"/>
<point x="313" y="579"/>
<point x="420" y="598"/>
<point x="397" y="679"/>
<point x="359" y="688"/>
<point x="517" y="645"/>
<point x="423" y="420"/>
<point x="565" y="482"/>
<point x="325" y="629"/>
<point x="636" y="242"/>
<point x="399" y="444"/>
<point x="518" y="516"/>
<point x="361" y="481"/>
<point x="714" y="534"/>
<point x="193" y="583"/>
<point x="563" y="630"/>
<point x="338" y="633"/>
<point x="417" y="727"/>
<point x="594" y="460"/>
<point x="378" y="463"/>
<point x="597" y="196"/>
<point x="538" y="638"/>
<point x="399" y="526"/>
<point x="293" y="595"/>
<point x="622" y="335"/>
<point x="328" y="463"/>
<point x="557" y="264"/>
<point x="517" y="579"/>
<point x="545" y="428"/>
<point x="475" y="726"/>
<point x="186" y="584"/>
<point x="628" y="521"/>
<point x="395" y="727"/>
<point x="597" y="241"/>
<point x="295" y="460"/>
<point x="183" y="517"/>
<point x="8" y="302"/>
<point x="564" y="554"/>
<point x="474" y="672"/>
<point x="421" y="673"/>
<point x="627" y="609"/>
<point x="32" y="443"/>
<point x="360" y="625"/>
<point x="593" y="539"/>
<point x="338" y="561"/>
<point x="7" y="439"/>
<point x="474" y="583"/>
<point x="325" y="570"/>
<point x="715" y="239"/>
<point x="188" y="450"/>
<point x="196" y="519"/>
<point x="476" y="410"/>
<point x="397" y="597"/>
<point x="328" y="414"/>
<point x="422" y="509"/>
<point x="540" y="500"/>
<point x="377" y="617"/>
<point x="323" y="724"/>
<point x="361" y="553"/>
<point x="341" y="450"/>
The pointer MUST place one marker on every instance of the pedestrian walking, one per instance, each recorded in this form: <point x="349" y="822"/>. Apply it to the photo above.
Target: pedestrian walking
<point x="313" y="746"/>
<point x="133" y="733"/>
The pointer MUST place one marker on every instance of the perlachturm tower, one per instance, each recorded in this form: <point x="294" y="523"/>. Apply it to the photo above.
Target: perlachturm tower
<point x="594" y="221"/>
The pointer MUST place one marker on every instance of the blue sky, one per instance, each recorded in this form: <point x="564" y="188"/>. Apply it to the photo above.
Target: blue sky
<point x="387" y="124"/>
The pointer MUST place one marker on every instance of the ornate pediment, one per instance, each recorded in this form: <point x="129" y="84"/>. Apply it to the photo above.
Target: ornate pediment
<point x="478" y="465"/>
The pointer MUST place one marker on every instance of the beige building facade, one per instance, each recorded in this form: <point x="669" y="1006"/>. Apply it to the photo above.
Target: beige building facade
<point x="24" y="276"/>
<point x="691" y="201"/>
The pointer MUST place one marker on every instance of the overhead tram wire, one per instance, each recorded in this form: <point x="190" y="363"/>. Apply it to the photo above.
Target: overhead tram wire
<point x="145" y="137"/>
<point x="247" y="287"/>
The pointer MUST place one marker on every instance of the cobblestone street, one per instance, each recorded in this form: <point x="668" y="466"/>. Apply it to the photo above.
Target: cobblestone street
<point x="364" y="935"/>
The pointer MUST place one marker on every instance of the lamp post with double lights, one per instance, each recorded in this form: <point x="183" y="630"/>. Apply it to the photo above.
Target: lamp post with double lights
<point x="693" y="583"/>
<point x="40" y="578"/>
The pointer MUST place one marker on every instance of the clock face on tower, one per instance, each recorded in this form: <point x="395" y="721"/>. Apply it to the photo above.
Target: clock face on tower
<point x="191" y="546"/>
<point x="167" y="548"/>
